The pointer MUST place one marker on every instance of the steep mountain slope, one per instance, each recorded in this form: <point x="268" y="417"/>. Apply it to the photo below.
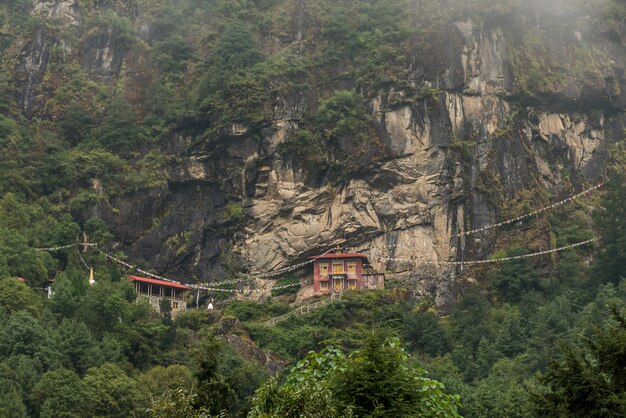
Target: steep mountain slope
<point x="216" y="137"/>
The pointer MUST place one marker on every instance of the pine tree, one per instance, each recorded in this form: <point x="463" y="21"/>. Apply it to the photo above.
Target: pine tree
<point x="610" y="222"/>
<point x="589" y="380"/>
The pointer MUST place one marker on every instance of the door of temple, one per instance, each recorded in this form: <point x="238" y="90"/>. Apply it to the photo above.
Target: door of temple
<point x="337" y="284"/>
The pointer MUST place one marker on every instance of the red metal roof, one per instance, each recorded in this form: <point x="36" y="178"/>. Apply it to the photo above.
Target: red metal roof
<point x="21" y="279"/>
<point x="338" y="255"/>
<point x="155" y="281"/>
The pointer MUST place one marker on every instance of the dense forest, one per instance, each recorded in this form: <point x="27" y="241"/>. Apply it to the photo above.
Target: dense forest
<point x="149" y="127"/>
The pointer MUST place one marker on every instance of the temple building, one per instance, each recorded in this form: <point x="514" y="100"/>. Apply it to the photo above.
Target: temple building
<point x="344" y="271"/>
<point x="154" y="291"/>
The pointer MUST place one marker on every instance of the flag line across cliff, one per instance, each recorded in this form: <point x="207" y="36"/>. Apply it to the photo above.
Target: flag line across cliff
<point x="430" y="262"/>
<point x="491" y="260"/>
<point x="530" y="214"/>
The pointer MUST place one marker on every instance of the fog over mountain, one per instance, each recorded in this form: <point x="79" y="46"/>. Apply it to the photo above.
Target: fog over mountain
<point x="258" y="156"/>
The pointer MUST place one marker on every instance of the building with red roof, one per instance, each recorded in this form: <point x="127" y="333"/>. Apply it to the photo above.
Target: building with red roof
<point x="154" y="291"/>
<point x="336" y="272"/>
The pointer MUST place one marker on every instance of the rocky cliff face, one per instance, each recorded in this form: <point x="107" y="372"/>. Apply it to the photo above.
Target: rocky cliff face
<point x="462" y="134"/>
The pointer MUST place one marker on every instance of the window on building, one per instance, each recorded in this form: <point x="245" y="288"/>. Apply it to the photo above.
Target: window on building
<point x="174" y="306"/>
<point x="324" y="269"/>
<point x="167" y="292"/>
<point x="156" y="290"/>
<point x="337" y="268"/>
<point x="324" y="285"/>
<point x="351" y="284"/>
<point x="143" y="288"/>
<point x="352" y="267"/>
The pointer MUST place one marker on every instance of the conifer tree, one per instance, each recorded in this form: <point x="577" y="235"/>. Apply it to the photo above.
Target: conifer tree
<point x="610" y="222"/>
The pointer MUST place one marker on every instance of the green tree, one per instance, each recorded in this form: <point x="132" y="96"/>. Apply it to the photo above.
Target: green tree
<point x="165" y="307"/>
<point x="159" y="379"/>
<point x="105" y="305"/>
<point x="374" y="381"/>
<point x="119" y="131"/>
<point x="97" y="231"/>
<point x="75" y="123"/>
<point x="23" y="372"/>
<point x="111" y="393"/>
<point x="11" y="402"/>
<point x="176" y="403"/>
<point x="17" y="296"/>
<point x="515" y="277"/>
<point x="306" y="392"/>
<point x="610" y="222"/>
<point x="343" y="114"/>
<point x="23" y="334"/>
<point x="60" y="394"/>
<point x="214" y="392"/>
<point x="236" y="49"/>
<point x="423" y="332"/>
<point x="589" y="380"/>
<point x="69" y="289"/>
<point x="76" y="344"/>
<point x="17" y="259"/>
<point x="501" y="395"/>
<point x="380" y="381"/>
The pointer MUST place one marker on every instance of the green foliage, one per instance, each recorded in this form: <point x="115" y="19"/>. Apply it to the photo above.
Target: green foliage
<point x="69" y="289"/>
<point x="250" y="310"/>
<point x="159" y="380"/>
<point x="176" y="404"/>
<point x="97" y="231"/>
<point x="501" y="394"/>
<point x="24" y="335"/>
<point x="291" y="281"/>
<point x="118" y="132"/>
<point x="67" y="400"/>
<point x="236" y="49"/>
<point x="17" y="259"/>
<point x="214" y="392"/>
<point x="121" y="27"/>
<point x="343" y="114"/>
<point x="111" y="393"/>
<point x="11" y="403"/>
<point x="171" y="53"/>
<point x="233" y="91"/>
<point x="610" y="222"/>
<point x="105" y="305"/>
<point x="17" y="296"/>
<point x="76" y="345"/>
<point x="23" y="373"/>
<point x="76" y="124"/>
<point x="588" y="380"/>
<point x="425" y="334"/>
<point x="304" y="146"/>
<point x="376" y="380"/>
<point x="515" y="277"/>
<point x="165" y="308"/>
<point x="380" y="381"/>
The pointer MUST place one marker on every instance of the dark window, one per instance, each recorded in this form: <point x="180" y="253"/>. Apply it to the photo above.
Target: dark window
<point x="143" y="288"/>
<point x="168" y="292"/>
<point x="156" y="289"/>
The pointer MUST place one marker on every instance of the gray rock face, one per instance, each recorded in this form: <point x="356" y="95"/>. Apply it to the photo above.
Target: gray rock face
<point x="66" y="12"/>
<point x="102" y="54"/>
<point x="32" y="65"/>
